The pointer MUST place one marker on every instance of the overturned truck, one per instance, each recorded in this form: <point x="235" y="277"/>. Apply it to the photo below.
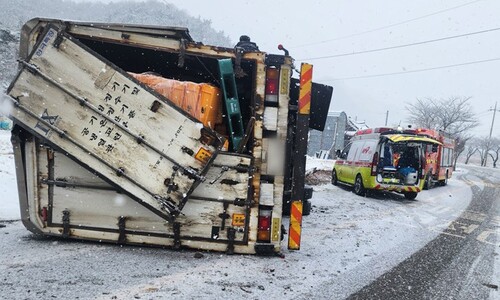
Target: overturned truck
<point x="140" y="135"/>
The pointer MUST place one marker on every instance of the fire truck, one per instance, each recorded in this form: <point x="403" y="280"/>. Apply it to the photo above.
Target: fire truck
<point x="438" y="157"/>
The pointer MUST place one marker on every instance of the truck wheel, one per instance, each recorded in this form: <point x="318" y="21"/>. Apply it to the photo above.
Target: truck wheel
<point x="410" y="195"/>
<point x="306" y="208"/>
<point x="334" y="177"/>
<point x="359" y="189"/>
<point x="428" y="182"/>
<point x="445" y="181"/>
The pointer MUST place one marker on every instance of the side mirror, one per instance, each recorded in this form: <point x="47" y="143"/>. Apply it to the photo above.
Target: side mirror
<point x="434" y="148"/>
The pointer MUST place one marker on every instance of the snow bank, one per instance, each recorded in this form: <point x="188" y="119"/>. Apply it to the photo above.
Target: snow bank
<point x="319" y="164"/>
<point x="9" y="200"/>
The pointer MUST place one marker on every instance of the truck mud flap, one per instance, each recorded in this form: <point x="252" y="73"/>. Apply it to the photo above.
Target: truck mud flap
<point x="95" y="113"/>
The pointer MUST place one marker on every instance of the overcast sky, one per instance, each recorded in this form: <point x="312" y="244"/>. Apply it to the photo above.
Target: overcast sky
<point x="323" y="28"/>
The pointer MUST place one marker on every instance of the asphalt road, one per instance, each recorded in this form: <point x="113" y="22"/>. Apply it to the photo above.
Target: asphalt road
<point x="459" y="263"/>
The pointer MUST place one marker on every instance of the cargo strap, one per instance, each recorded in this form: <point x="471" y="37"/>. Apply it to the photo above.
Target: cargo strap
<point x="232" y="104"/>
<point x="246" y="137"/>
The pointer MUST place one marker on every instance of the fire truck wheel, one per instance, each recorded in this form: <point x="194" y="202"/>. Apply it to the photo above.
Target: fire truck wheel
<point x="445" y="181"/>
<point x="359" y="189"/>
<point x="334" y="177"/>
<point x="428" y="182"/>
<point x="410" y="195"/>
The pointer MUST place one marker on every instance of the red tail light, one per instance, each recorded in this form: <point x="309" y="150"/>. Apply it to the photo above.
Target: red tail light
<point x="264" y="226"/>
<point x="272" y="85"/>
<point x="374" y="164"/>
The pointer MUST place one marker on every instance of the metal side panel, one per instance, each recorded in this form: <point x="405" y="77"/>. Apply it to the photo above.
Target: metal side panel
<point x="112" y="124"/>
<point x="95" y="206"/>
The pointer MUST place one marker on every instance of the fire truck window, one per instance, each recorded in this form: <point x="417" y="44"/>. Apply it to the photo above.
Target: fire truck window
<point x="434" y="148"/>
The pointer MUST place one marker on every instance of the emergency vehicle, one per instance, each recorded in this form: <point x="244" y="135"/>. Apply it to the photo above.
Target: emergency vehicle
<point x="383" y="159"/>
<point x="439" y="158"/>
<point x="138" y="134"/>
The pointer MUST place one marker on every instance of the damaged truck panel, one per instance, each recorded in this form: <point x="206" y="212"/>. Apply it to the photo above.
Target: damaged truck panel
<point x="85" y="106"/>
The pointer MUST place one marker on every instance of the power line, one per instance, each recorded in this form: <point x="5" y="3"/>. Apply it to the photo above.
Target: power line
<point x="414" y="71"/>
<point x="384" y="27"/>
<point x="401" y="46"/>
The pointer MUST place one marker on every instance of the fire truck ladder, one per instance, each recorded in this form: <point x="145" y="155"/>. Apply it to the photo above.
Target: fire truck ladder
<point x="232" y="104"/>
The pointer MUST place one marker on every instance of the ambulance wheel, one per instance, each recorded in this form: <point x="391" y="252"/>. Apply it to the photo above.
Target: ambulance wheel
<point x="359" y="189"/>
<point x="410" y="195"/>
<point x="335" y="180"/>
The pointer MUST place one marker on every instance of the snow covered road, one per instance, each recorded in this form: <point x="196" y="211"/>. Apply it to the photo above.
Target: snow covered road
<point x="349" y="243"/>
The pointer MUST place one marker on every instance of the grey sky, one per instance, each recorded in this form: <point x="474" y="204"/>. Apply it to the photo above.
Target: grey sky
<point x="295" y="23"/>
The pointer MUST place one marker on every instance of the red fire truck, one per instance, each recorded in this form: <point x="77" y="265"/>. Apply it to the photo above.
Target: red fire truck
<point x="438" y="157"/>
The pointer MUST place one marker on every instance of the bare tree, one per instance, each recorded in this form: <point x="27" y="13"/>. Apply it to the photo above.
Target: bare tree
<point x="471" y="149"/>
<point x="423" y="112"/>
<point x="494" y="151"/>
<point x="453" y="115"/>
<point x="461" y="141"/>
<point x="483" y="147"/>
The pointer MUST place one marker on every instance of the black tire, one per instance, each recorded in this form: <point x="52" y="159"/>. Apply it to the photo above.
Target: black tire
<point x="410" y="195"/>
<point x="445" y="181"/>
<point x="306" y="208"/>
<point x="359" y="189"/>
<point x="428" y="182"/>
<point x="335" y="180"/>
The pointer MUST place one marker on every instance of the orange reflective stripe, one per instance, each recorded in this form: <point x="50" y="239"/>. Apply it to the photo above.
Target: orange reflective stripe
<point x="305" y="89"/>
<point x="295" y="225"/>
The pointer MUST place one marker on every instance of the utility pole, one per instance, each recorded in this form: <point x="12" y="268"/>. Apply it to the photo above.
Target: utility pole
<point x="493" y="120"/>
<point x="386" y="117"/>
<point x="491" y="131"/>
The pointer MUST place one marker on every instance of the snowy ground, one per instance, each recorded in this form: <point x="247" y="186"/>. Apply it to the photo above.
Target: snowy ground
<point x="9" y="204"/>
<point x="347" y="242"/>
